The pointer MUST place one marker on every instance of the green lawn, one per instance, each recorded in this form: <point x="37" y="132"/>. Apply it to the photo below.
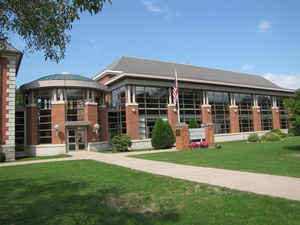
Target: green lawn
<point x="89" y="192"/>
<point x="280" y="158"/>
<point x="43" y="157"/>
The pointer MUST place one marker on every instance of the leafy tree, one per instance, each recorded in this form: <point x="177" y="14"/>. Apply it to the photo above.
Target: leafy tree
<point x="194" y="124"/>
<point x="162" y="135"/>
<point x="19" y="99"/>
<point x="44" y="24"/>
<point x="293" y="106"/>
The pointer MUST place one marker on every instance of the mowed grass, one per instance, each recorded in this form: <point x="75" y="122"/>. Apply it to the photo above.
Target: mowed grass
<point x="89" y="192"/>
<point x="280" y="158"/>
<point x="42" y="157"/>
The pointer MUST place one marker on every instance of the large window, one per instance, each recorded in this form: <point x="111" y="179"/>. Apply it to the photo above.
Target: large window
<point x="283" y="116"/>
<point x="190" y="105"/>
<point x="116" y="114"/>
<point x="75" y="104"/>
<point x="245" y="102"/>
<point x="44" y="116"/>
<point x="265" y="104"/>
<point x="219" y="102"/>
<point x="153" y="103"/>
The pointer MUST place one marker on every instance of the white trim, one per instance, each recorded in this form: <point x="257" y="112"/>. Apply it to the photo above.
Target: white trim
<point x="197" y="81"/>
<point x="105" y="72"/>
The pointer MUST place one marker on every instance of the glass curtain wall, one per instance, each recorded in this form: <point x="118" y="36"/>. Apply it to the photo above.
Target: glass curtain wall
<point x="265" y="104"/>
<point x="190" y="105"/>
<point x="44" y="116"/>
<point x="116" y="114"/>
<point x="283" y="116"/>
<point x="153" y="103"/>
<point x="219" y="102"/>
<point x="245" y="103"/>
<point x="75" y="99"/>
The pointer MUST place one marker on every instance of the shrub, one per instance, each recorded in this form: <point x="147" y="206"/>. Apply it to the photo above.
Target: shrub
<point x="203" y="144"/>
<point x="291" y="135"/>
<point x="271" y="136"/>
<point x="194" y="124"/>
<point x="121" y="143"/>
<point x="193" y="145"/>
<point x="294" y="131"/>
<point x="281" y="134"/>
<point x="162" y="135"/>
<point x="253" y="138"/>
<point x="2" y="157"/>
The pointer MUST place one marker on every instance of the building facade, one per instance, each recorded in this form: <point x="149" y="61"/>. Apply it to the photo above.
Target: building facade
<point x="10" y="59"/>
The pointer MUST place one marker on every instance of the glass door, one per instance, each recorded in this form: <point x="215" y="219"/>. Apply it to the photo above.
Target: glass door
<point x="76" y="139"/>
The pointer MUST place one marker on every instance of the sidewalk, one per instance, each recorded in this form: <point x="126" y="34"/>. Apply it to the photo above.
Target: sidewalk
<point x="276" y="186"/>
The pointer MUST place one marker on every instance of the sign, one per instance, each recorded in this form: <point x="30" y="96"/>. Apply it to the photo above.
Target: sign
<point x="197" y="133"/>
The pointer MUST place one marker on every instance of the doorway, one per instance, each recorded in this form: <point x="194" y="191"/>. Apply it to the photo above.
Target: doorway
<point x="76" y="139"/>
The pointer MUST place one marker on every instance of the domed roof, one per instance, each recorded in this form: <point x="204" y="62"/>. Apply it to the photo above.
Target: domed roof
<point x="64" y="77"/>
<point x="64" y="80"/>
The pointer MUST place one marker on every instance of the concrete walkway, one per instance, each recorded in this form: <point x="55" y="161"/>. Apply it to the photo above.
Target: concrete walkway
<point x="277" y="186"/>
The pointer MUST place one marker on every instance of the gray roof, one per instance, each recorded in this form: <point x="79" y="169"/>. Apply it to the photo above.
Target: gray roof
<point x="159" y="69"/>
<point x="64" y="77"/>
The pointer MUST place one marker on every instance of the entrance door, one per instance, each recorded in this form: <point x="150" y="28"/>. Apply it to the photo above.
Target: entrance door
<point x="76" y="139"/>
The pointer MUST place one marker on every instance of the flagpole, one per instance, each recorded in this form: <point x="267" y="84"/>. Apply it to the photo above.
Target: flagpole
<point x="178" y="107"/>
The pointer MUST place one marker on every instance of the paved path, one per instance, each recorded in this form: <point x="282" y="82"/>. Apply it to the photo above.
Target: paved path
<point x="277" y="186"/>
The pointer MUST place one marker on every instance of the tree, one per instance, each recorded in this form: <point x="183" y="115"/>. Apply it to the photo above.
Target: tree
<point x="44" y="24"/>
<point x="293" y="106"/>
<point x="194" y="124"/>
<point x="19" y="99"/>
<point x="162" y="135"/>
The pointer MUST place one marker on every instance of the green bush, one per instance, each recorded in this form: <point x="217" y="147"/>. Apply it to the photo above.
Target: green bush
<point x="294" y="131"/>
<point x="121" y="143"/>
<point x="281" y="134"/>
<point x="162" y="135"/>
<point x="253" y="138"/>
<point x="271" y="136"/>
<point x="2" y="157"/>
<point x="194" y="124"/>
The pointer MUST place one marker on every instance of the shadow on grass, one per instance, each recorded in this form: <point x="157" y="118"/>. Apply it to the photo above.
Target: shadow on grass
<point x="293" y="148"/>
<point x="33" y="201"/>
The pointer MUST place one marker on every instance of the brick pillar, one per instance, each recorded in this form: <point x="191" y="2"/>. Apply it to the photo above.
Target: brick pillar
<point x="31" y="125"/>
<point x="103" y="123"/>
<point x="206" y="114"/>
<point x="132" y="121"/>
<point x="256" y="118"/>
<point x="234" y="119"/>
<point x="172" y="116"/>
<point x="182" y="136"/>
<point x="276" y="118"/>
<point x="3" y="103"/>
<point x="91" y="115"/>
<point x="210" y="135"/>
<point x="58" y="117"/>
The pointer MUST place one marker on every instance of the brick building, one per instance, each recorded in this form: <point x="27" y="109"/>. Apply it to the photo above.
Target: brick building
<point x="10" y="59"/>
<point x="70" y="112"/>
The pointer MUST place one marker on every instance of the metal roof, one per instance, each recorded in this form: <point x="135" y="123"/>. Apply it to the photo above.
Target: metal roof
<point x="159" y="69"/>
<point x="64" y="77"/>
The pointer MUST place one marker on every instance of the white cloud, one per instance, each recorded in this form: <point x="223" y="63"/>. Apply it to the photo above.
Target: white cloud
<point x="248" y="67"/>
<point x="154" y="7"/>
<point x="291" y="81"/>
<point x="264" y="25"/>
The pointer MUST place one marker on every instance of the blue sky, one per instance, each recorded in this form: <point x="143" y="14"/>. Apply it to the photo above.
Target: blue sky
<point x="256" y="37"/>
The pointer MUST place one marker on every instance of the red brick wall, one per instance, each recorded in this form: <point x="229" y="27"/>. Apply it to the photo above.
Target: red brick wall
<point x="103" y="123"/>
<point x="4" y="95"/>
<point x="31" y="125"/>
<point x="256" y="119"/>
<point x="276" y="118"/>
<point x="182" y="137"/>
<point x="206" y="114"/>
<point x="210" y="136"/>
<point x="172" y="116"/>
<point x="91" y="114"/>
<point x="234" y="119"/>
<point x="106" y="78"/>
<point x="132" y="121"/>
<point x="58" y="117"/>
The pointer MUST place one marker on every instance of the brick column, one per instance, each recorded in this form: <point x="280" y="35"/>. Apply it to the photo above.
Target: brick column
<point x="91" y="115"/>
<point x="103" y="123"/>
<point x="234" y="119"/>
<point x="58" y="117"/>
<point x="256" y="118"/>
<point x="172" y="116"/>
<point x="276" y="118"/>
<point x="210" y="135"/>
<point x="182" y="136"/>
<point x="132" y="121"/>
<point x="206" y="114"/>
<point x="31" y="125"/>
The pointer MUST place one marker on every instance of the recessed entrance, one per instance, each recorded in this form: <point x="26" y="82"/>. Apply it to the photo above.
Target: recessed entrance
<point x="76" y="139"/>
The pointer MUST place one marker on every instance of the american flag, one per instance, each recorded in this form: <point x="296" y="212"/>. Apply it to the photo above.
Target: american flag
<point x="175" y="91"/>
